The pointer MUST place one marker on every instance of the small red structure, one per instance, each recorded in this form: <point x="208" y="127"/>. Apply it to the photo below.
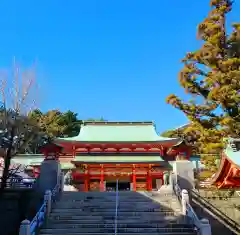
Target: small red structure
<point x="51" y="151"/>
<point x="228" y="175"/>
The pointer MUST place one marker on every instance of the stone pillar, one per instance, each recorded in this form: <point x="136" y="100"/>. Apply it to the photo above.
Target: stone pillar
<point x="50" y="171"/>
<point x="166" y="178"/>
<point x="159" y="183"/>
<point x="205" y="227"/>
<point x="24" y="227"/>
<point x="171" y="178"/>
<point x="62" y="179"/>
<point x="104" y="184"/>
<point x="185" y="201"/>
<point x="184" y="174"/>
<point x="131" y="186"/>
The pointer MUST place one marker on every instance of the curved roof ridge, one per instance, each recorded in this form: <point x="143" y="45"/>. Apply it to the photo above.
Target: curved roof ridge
<point x="230" y="155"/>
<point x="122" y="132"/>
<point x="117" y="123"/>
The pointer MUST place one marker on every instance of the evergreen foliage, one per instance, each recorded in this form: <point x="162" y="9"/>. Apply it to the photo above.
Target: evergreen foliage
<point x="211" y="75"/>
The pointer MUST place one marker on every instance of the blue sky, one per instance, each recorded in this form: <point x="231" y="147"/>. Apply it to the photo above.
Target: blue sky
<point x="113" y="59"/>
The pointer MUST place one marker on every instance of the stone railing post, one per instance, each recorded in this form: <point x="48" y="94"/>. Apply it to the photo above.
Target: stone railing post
<point x="24" y="227"/>
<point x="185" y="201"/>
<point x="172" y="182"/>
<point x="48" y="199"/>
<point x="170" y="178"/>
<point x="205" y="228"/>
<point x="62" y="182"/>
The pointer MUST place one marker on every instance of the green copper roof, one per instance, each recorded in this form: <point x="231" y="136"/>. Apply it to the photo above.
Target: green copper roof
<point x="118" y="132"/>
<point x="118" y="159"/>
<point x="232" y="153"/>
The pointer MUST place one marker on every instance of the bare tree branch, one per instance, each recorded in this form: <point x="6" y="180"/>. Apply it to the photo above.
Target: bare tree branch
<point x="16" y="169"/>
<point x="17" y="131"/>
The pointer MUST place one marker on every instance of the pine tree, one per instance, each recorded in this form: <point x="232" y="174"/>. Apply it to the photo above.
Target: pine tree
<point x="211" y="75"/>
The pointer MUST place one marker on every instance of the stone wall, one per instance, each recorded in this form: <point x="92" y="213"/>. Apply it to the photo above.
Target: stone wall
<point x="15" y="206"/>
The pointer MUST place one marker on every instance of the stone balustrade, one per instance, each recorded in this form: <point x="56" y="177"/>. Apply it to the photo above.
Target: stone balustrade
<point x="203" y="225"/>
<point x="30" y="227"/>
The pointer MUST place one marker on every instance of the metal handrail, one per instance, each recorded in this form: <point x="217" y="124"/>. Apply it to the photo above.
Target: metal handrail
<point x="39" y="218"/>
<point x="190" y="211"/>
<point x="116" y="210"/>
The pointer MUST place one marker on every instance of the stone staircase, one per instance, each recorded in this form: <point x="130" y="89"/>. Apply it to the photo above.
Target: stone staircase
<point x="94" y="213"/>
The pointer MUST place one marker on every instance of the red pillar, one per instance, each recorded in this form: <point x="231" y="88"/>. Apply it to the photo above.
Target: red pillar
<point x="188" y="154"/>
<point x="134" y="178"/>
<point x="149" y="179"/>
<point x="102" y="179"/>
<point x="86" y="184"/>
<point x="86" y="180"/>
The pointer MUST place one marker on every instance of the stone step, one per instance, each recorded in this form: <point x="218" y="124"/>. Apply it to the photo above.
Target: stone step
<point x="143" y="197"/>
<point x="119" y="230"/>
<point x="110" y="209"/>
<point x="133" y="200"/>
<point x="76" y="219"/>
<point x="111" y="219"/>
<point x="113" y="202"/>
<point x="75" y="210"/>
<point x="107" y="233"/>
<point x="171" y="233"/>
<point x="113" y="205"/>
<point x="133" y="207"/>
<point x="123" y="199"/>
<point x="120" y="213"/>
<point x="78" y="213"/>
<point x="75" y="224"/>
<point x="106" y="205"/>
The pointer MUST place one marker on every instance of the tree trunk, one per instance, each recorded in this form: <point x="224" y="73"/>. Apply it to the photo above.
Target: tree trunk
<point x="7" y="162"/>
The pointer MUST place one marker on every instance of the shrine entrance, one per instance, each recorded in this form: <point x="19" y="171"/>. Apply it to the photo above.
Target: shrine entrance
<point x="122" y="186"/>
<point x="131" y="177"/>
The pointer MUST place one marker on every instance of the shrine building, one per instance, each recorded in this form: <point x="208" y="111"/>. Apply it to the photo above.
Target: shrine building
<point x="131" y="152"/>
<point x="103" y="152"/>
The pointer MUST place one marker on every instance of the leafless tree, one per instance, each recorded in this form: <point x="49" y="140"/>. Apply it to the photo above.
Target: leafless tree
<point x="18" y="97"/>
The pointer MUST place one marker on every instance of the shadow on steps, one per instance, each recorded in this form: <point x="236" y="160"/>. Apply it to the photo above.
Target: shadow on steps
<point x="94" y="213"/>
